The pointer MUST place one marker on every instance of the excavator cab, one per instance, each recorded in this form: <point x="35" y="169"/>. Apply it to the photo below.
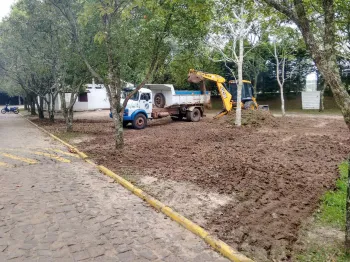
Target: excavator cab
<point x="247" y="90"/>
<point x="247" y="97"/>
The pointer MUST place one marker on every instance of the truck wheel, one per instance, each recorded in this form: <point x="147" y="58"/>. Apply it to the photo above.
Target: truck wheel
<point x="139" y="122"/>
<point x="159" y="100"/>
<point x="249" y="105"/>
<point x="194" y="115"/>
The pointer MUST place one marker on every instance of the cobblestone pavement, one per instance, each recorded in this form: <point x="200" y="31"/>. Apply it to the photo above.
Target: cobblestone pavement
<point x="55" y="207"/>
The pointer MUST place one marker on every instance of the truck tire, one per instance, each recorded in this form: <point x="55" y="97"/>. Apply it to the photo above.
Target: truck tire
<point x="194" y="115"/>
<point x="140" y="121"/>
<point x="249" y="105"/>
<point x="159" y="100"/>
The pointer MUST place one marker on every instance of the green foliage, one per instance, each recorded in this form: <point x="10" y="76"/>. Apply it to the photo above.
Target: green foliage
<point x="322" y="254"/>
<point x="142" y="31"/>
<point x="333" y="207"/>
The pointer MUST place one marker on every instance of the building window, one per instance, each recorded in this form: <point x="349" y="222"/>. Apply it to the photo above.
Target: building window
<point x="83" y="97"/>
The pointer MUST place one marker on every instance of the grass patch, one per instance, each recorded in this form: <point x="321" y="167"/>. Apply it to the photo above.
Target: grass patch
<point x="323" y="254"/>
<point x="333" y="207"/>
<point x="332" y="214"/>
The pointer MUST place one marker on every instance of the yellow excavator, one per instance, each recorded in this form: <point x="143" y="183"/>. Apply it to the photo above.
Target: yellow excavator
<point x="248" y="100"/>
<point x="195" y="76"/>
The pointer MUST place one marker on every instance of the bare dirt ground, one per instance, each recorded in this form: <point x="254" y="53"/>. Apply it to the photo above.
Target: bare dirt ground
<point x="251" y="186"/>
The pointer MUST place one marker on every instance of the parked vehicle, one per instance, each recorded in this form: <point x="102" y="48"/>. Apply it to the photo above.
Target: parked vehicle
<point x="6" y="109"/>
<point x="161" y="100"/>
<point x="229" y="99"/>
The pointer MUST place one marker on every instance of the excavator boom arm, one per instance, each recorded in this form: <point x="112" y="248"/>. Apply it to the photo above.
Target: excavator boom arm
<point x="195" y="76"/>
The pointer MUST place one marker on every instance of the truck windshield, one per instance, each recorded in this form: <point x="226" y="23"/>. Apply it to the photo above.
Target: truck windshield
<point x="135" y="97"/>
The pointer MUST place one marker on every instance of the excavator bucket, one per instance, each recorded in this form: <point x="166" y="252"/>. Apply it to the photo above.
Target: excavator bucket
<point x="194" y="78"/>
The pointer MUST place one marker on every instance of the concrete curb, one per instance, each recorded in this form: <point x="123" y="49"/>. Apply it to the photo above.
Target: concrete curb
<point x="216" y="244"/>
<point x="72" y="148"/>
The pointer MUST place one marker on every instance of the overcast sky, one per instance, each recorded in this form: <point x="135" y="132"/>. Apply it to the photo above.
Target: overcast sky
<point x="5" y="7"/>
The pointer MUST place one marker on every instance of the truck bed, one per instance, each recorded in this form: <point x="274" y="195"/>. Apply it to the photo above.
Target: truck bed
<point x="190" y="97"/>
<point x="180" y="97"/>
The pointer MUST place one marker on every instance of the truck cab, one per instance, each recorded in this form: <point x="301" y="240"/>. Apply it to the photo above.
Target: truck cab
<point x="162" y="100"/>
<point x="139" y="108"/>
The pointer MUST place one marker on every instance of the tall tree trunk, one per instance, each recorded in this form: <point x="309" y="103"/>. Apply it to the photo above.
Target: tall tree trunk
<point x="48" y="103"/>
<point x="322" y="99"/>
<point x="41" y="108"/>
<point x="64" y="108"/>
<point x="347" y="230"/>
<point x="331" y="75"/>
<point x="32" y="106"/>
<point x="238" y="121"/>
<point x="25" y="102"/>
<point x="255" y="84"/>
<point x="114" y="87"/>
<point x="282" y="101"/>
<point x="117" y="111"/>
<point x="322" y="51"/>
<point x="52" y="111"/>
<point x="324" y="54"/>
<point x="119" y="134"/>
<point x="69" y="121"/>
<point x="68" y="111"/>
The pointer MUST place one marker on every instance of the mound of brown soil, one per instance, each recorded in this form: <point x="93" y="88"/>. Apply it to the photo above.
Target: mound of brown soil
<point x="255" y="118"/>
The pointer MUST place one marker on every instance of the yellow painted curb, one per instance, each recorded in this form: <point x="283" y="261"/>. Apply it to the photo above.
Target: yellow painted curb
<point x="216" y="244"/>
<point x="185" y="222"/>
<point x="119" y="179"/>
<point x="155" y="203"/>
<point x="80" y="154"/>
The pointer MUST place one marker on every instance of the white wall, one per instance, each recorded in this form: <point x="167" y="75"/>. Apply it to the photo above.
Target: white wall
<point x="98" y="99"/>
<point x="310" y="100"/>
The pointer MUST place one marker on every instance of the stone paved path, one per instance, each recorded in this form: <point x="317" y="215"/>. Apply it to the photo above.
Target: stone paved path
<point x="55" y="207"/>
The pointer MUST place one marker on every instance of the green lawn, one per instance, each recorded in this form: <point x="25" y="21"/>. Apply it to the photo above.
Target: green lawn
<point x="332" y="210"/>
<point x="331" y="215"/>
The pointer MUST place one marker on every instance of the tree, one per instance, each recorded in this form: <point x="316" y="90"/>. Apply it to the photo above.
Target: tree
<point x="72" y="82"/>
<point x="316" y="22"/>
<point x="255" y="64"/>
<point x="283" y="48"/>
<point x="229" y="32"/>
<point x="31" y="46"/>
<point x="280" y="70"/>
<point x="318" y="27"/>
<point x="153" y="25"/>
